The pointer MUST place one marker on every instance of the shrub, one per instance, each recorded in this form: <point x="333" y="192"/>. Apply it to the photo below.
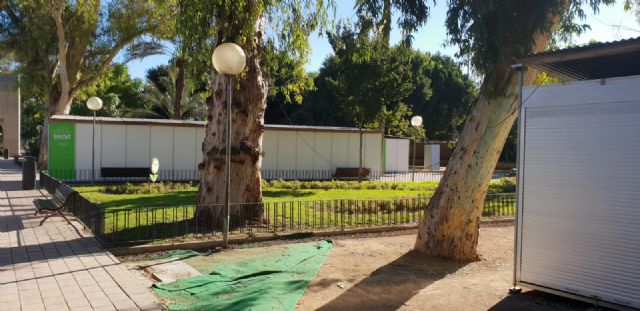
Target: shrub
<point x="146" y="188"/>
<point x="503" y="185"/>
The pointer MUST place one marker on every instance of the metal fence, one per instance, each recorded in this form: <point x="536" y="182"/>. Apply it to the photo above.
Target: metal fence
<point x="126" y="226"/>
<point x="79" y="176"/>
<point x="91" y="214"/>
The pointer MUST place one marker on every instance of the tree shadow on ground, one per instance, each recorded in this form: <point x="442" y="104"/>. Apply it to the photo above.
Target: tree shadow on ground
<point x="539" y="301"/>
<point x="407" y="275"/>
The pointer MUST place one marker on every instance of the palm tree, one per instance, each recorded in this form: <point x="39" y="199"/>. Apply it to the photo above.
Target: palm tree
<point x="159" y="97"/>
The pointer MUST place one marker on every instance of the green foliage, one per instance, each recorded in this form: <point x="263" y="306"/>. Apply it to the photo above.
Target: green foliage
<point x="146" y="188"/>
<point x="94" y="34"/>
<point x="634" y="7"/>
<point x="543" y="78"/>
<point x="370" y="76"/>
<point x="443" y="95"/>
<point x="158" y="97"/>
<point x="375" y="15"/>
<point x="503" y="185"/>
<point x="119" y="94"/>
<point x="348" y="185"/>
<point x="495" y="32"/>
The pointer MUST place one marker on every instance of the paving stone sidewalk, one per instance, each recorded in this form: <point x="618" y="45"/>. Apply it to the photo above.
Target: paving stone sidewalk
<point x="57" y="266"/>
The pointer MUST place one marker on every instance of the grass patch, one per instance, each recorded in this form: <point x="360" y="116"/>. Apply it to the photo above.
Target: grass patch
<point x="288" y="206"/>
<point x="159" y="195"/>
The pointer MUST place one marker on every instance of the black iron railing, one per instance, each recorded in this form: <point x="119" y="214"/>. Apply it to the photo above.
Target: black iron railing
<point x="125" y="226"/>
<point x="79" y="176"/>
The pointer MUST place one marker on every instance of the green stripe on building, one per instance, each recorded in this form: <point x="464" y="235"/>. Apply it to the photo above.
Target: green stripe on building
<point x="62" y="150"/>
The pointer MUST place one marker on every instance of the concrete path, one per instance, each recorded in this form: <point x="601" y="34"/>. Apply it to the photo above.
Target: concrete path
<point x="57" y="266"/>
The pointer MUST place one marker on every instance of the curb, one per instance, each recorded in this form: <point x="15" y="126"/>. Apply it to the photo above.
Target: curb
<point x="212" y="244"/>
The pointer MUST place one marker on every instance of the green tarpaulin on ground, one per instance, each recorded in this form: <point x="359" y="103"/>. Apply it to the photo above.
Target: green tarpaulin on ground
<point x="274" y="280"/>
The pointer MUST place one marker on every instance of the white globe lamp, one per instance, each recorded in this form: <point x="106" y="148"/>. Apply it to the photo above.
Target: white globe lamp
<point x="416" y="121"/>
<point x="228" y="59"/>
<point x="94" y="103"/>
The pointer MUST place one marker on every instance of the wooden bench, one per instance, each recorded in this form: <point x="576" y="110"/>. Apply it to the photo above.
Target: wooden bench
<point x="351" y="172"/>
<point x="125" y="172"/>
<point x="57" y="205"/>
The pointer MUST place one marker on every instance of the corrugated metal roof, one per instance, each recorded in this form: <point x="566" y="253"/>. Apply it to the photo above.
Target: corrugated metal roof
<point x="189" y="123"/>
<point x="592" y="61"/>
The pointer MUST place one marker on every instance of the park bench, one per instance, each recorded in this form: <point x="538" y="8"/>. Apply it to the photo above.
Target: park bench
<point x="351" y="173"/>
<point x="107" y="172"/>
<point x="57" y="205"/>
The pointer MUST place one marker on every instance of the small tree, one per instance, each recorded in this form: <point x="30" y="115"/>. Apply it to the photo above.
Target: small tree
<point x="370" y="78"/>
<point x="63" y="47"/>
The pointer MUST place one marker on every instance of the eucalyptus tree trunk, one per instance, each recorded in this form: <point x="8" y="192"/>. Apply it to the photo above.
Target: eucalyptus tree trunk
<point x="451" y="225"/>
<point x="179" y="84"/>
<point x="249" y="104"/>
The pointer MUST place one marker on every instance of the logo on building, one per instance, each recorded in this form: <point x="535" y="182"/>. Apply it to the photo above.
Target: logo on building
<point x="62" y="136"/>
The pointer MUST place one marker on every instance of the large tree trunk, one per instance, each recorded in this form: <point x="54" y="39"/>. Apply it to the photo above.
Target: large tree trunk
<point x="249" y="104"/>
<point x="57" y="104"/>
<point x="452" y="220"/>
<point x="179" y="83"/>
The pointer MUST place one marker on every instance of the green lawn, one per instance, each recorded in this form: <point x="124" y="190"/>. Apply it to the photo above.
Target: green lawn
<point x="271" y="194"/>
<point x="167" y="214"/>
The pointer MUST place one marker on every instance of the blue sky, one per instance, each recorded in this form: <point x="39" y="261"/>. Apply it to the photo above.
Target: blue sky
<point x="431" y="37"/>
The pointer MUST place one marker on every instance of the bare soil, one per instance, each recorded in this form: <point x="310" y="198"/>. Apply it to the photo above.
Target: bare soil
<point x="382" y="273"/>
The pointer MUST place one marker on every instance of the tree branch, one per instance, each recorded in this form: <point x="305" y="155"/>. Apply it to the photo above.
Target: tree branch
<point x="87" y="80"/>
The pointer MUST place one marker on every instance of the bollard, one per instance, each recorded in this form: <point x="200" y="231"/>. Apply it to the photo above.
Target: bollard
<point x="28" y="173"/>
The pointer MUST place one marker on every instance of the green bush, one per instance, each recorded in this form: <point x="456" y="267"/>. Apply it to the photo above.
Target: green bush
<point x="344" y="185"/>
<point x="503" y="185"/>
<point x="146" y="188"/>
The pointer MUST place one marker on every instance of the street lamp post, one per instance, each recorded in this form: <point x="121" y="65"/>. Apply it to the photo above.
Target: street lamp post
<point x="94" y="104"/>
<point x="416" y="121"/>
<point x="228" y="59"/>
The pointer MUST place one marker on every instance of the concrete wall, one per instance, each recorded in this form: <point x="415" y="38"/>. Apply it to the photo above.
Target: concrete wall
<point x="10" y="113"/>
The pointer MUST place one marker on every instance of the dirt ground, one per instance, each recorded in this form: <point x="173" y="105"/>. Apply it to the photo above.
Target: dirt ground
<point x="382" y="273"/>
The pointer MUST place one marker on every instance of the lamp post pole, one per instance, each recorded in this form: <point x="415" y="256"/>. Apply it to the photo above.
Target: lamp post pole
<point x="229" y="60"/>
<point x="94" y="104"/>
<point x="413" y="171"/>
<point x="227" y="197"/>
<point x="93" y="149"/>
<point x="416" y="122"/>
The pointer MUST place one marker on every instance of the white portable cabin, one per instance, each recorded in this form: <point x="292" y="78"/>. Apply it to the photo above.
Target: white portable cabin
<point x="578" y="221"/>
<point x="290" y="151"/>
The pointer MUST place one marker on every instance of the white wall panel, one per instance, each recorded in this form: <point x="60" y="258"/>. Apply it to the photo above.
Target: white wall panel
<point x="200" y="133"/>
<point x="580" y="225"/>
<point x="83" y="146"/>
<point x="184" y="154"/>
<point x="287" y="150"/>
<point x="270" y="147"/>
<point x="113" y="145"/>
<point x="339" y="149"/>
<point x="432" y="157"/>
<point x="138" y="142"/>
<point x="397" y="155"/>
<point x="322" y="160"/>
<point x="354" y="149"/>
<point x="305" y="142"/>
<point x="162" y="146"/>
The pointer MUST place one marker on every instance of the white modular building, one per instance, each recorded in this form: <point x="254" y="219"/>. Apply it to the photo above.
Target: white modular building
<point x="289" y="151"/>
<point x="578" y="220"/>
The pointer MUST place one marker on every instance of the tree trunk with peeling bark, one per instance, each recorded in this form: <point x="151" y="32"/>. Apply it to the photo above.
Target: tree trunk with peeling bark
<point x="248" y="107"/>
<point x="451" y="225"/>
